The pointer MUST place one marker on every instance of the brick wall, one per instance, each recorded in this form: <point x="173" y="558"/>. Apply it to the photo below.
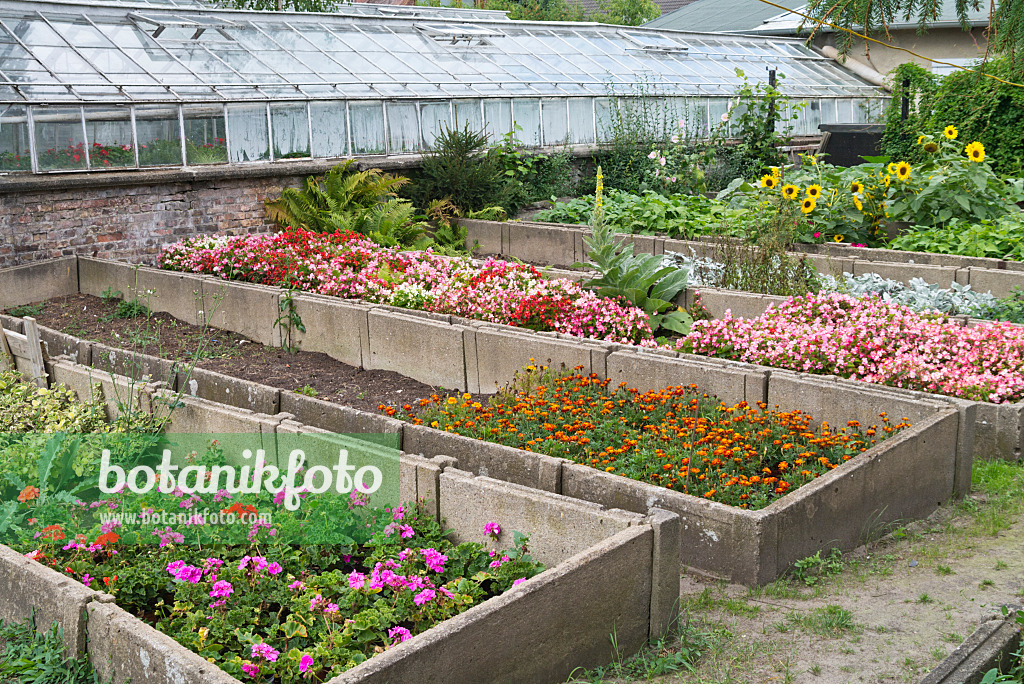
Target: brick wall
<point x="125" y="221"/>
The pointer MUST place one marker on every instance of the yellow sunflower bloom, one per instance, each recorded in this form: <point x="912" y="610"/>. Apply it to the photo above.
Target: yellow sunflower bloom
<point x="776" y="172"/>
<point x="856" y="187"/>
<point x="837" y="238"/>
<point x="768" y="181"/>
<point x="920" y="139"/>
<point x="814" y="191"/>
<point x="891" y="168"/>
<point x="808" y="205"/>
<point x="790" y="191"/>
<point x="903" y="171"/>
<point x="886" y="180"/>
<point x="951" y="132"/>
<point x="857" y="203"/>
<point x="975" y="151"/>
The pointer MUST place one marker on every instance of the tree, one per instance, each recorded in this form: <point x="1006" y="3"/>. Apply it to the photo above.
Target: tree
<point x="626" y="12"/>
<point x="1006" y="18"/>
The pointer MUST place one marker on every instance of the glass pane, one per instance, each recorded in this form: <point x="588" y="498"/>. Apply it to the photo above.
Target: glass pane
<point x="367" y="127"/>
<point x="526" y="115"/>
<point x="467" y="112"/>
<point x="556" y="123"/>
<point x="205" y="134"/>
<point x="581" y="120"/>
<point x="109" y="135"/>
<point x="603" y="107"/>
<point x="14" y="149"/>
<point x="291" y="130"/>
<point x="330" y="129"/>
<point x="249" y="138"/>
<point x="497" y="119"/>
<point x="159" y="135"/>
<point x="403" y="128"/>
<point x="434" y="118"/>
<point x="60" y="142"/>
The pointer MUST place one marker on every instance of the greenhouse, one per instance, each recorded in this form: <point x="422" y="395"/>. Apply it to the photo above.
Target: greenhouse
<point x="125" y="85"/>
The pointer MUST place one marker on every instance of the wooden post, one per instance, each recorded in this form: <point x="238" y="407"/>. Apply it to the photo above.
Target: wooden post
<point x="27" y="348"/>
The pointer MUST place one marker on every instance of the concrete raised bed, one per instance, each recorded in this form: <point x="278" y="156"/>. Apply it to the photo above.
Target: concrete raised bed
<point x="610" y="571"/>
<point x="904" y="478"/>
<point x="992" y="645"/>
<point x="562" y="245"/>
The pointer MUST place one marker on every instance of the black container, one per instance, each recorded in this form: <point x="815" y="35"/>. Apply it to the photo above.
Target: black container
<point x="845" y="144"/>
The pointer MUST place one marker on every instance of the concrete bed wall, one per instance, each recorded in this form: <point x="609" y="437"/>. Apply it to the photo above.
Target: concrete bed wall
<point x="562" y="245"/>
<point x="609" y="571"/>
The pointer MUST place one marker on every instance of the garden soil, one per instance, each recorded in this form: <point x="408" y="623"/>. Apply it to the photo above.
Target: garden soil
<point x="160" y="334"/>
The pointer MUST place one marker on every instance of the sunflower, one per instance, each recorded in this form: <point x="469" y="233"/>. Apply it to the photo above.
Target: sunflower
<point x="857" y="203"/>
<point x="920" y="139"/>
<point x="975" y="151"/>
<point x="931" y="147"/>
<point x="903" y="171"/>
<point x="790" y="191"/>
<point x="950" y="132"/>
<point x="808" y="204"/>
<point x="768" y="181"/>
<point x="814" y="191"/>
<point x="776" y="172"/>
<point x="837" y="238"/>
<point x="887" y="179"/>
<point x="891" y="168"/>
<point x="856" y="187"/>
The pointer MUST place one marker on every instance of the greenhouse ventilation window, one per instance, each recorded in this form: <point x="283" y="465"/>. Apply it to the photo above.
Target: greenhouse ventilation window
<point x="142" y="84"/>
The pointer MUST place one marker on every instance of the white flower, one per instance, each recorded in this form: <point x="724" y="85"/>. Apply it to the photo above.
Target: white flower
<point x="653" y="154"/>
<point x="675" y="139"/>
<point x="725" y="117"/>
<point x="662" y="161"/>
<point x="681" y="124"/>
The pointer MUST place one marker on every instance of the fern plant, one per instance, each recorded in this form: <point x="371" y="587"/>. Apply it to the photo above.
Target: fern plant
<point x="641" y="279"/>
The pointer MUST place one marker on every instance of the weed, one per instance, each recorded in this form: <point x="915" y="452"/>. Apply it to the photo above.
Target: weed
<point x="675" y="652"/>
<point x="289" y="321"/>
<point x="830" y="621"/>
<point x="925" y="599"/>
<point x="986" y="583"/>
<point x="110" y="295"/>
<point x="779" y="589"/>
<point x="815" y="670"/>
<point x="31" y="656"/>
<point x="33" y="310"/>
<point x="944" y="570"/>
<point x="132" y="309"/>
<point x="307" y="390"/>
<point x="741" y="608"/>
<point x="814" y="568"/>
<point x="952" y="637"/>
<point x="1001" y="565"/>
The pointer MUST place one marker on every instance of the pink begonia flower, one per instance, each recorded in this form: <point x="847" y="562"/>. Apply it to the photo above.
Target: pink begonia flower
<point x="356" y="580"/>
<point x="251" y="669"/>
<point x="424" y="596"/>
<point x="222" y="589"/>
<point x="492" y="529"/>
<point x="518" y="581"/>
<point x="266" y="652"/>
<point x="305" y="662"/>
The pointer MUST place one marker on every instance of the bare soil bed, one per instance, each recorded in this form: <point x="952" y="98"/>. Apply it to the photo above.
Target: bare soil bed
<point x="160" y="334"/>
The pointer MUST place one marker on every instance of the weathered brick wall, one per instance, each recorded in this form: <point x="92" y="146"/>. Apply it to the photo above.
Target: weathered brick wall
<point x="131" y="221"/>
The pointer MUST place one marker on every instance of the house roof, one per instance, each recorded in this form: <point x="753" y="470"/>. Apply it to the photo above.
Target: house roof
<point x="755" y="16"/>
<point x="715" y="16"/>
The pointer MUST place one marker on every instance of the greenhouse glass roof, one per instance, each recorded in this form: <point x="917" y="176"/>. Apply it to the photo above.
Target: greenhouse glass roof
<point x="126" y="74"/>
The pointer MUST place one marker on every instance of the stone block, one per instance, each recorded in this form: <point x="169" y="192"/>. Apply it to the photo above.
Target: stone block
<point x="229" y="390"/>
<point x="179" y="294"/>
<point x="336" y="327"/>
<point x="57" y="343"/>
<point x="944" y="276"/>
<point x="38" y="281"/>
<point x="725" y="380"/>
<point x="185" y="414"/>
<point x="502" y="352"/>
<point x="124" y="649"/>
<point x="29" y="588"/>
<point x="668" y="528"/>
<point x="340" y="419"/>
<point x="96" y="276"/>
<point x="541" y="244"/>
<point x="132" y="364"/>
<point x="248" y="310"/>
<point x="485" y="458"/>
<point x="740" y="304"/>
<point x="423" y="350"/>
<point x="999" y="282"/>
<point x="484" y="235"/>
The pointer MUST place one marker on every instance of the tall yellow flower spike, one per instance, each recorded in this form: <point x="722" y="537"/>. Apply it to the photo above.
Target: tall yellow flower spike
<point x="599" y="191"/>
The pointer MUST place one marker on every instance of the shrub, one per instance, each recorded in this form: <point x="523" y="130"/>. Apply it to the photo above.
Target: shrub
<point x="461" y="170"/>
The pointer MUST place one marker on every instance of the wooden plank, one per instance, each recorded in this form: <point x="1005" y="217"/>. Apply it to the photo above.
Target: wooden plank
<point x="26" y="351"/>
<point x="6" y="356"/>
